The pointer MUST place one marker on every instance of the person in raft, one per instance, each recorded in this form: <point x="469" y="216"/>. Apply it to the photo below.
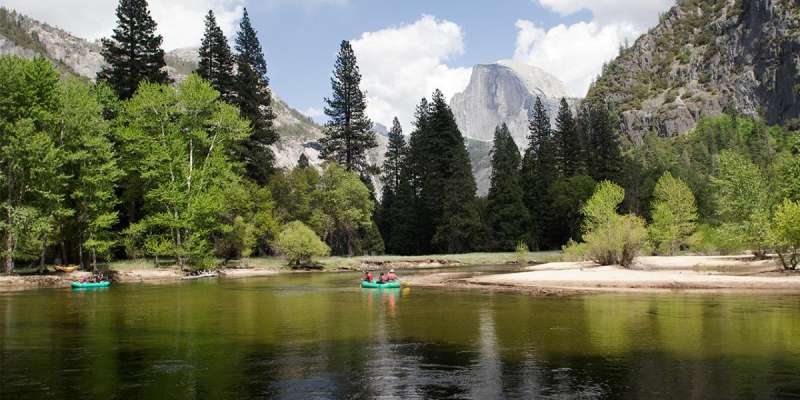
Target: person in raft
<point x="382" y="279"/>
<point x="391" y="277"/>
<point x="367" y="276"/>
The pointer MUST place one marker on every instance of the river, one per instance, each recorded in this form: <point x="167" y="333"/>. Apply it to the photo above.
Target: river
<point x="316" y="335"/>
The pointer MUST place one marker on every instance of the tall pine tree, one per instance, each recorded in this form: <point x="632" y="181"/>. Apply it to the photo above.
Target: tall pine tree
<point x="216" y="60"/>
<point x="348" y="133"/>
<point x="604" y="154"/>
<point x="506" y="212"/>
<point x="568" y="142"/>
<point x="134" y="53"/>
<point x="394" y="159"/>
<point x="394" y="224"/>
<point x="539" y="172"/>
<point x="254" y="99"/>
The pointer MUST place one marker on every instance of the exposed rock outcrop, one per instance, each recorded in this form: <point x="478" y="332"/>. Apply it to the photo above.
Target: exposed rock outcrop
<point x="706" y="57"/>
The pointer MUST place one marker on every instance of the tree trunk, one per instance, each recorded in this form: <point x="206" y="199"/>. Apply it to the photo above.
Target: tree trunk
<point x="94" y="260"/>
<point x="9" y="259"/>
<point x="64" y="253"/>
<point x="44" y="253"/>
<point x="80" y="252"/>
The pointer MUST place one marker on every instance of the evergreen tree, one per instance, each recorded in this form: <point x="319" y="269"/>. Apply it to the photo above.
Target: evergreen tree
<point x="134" y="53"/>
<point x="302" y="161"/>
<point x="539" y="172"/>
<point x="254" y="99"/>
<point x="507" y="214"/>
<point x="568" y="142"/>
<point x="394" y="159"/>
<point x="216" y="60"/>
<point x="348" y="134"/>
<point x="604" y="156"/>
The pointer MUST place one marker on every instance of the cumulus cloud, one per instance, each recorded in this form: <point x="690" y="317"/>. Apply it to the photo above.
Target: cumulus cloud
<point x="400" y="65"/>
<point x="313" y="113"/>
<point x="576" y="53"/>
<point x="181" y="22"/>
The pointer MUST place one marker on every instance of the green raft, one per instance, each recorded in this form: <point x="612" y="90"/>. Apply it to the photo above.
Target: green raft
<point x="388" y="285"/>
<point x="86" y="285"/>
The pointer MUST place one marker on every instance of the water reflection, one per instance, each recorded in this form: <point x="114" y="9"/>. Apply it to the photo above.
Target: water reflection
<point x="318" y="336"/>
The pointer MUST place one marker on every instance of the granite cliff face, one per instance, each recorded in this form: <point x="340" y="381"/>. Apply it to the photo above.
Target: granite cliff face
<point x="504" y="92"/>
<point x="706" y="57"/>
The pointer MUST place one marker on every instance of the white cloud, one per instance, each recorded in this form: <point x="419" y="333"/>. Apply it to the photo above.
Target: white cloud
<point x="576" y="53"/>
<point x="313" y="112"/>
<point x="181" y="22"/>
<point x="400" y="65"/>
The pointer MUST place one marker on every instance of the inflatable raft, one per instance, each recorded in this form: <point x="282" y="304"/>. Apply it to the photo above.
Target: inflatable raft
<point x="85" y="285"/>
<point x="388" y="285"/>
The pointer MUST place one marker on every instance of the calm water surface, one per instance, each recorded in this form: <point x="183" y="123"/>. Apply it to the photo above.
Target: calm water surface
<point x="309" y="336"/>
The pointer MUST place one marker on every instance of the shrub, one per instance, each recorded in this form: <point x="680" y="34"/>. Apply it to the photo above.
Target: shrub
<point x="300" y="244"/>
<point x="674" y="214"/>
<point x="785" y="233"/>
<point x="609" y="238"/>
<point x="522" y="253"/>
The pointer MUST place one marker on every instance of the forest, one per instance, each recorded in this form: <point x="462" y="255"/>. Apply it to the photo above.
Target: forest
<point x="135" y="165"/>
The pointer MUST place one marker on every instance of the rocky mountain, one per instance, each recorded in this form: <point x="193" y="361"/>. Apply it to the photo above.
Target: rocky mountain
<point x="504" y="92"/>
<point x="706" y="57"/>
<point x="498" y="93"/>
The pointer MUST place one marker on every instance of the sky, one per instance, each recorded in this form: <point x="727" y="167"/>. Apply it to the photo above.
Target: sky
<point x="405" y="48"/>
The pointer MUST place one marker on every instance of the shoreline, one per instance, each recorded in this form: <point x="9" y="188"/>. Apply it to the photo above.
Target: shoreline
<point x="691" y="274"/>
<point x="696" y="274"/>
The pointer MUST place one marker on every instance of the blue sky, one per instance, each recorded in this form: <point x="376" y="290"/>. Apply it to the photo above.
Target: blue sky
<point x="406" y="48"/>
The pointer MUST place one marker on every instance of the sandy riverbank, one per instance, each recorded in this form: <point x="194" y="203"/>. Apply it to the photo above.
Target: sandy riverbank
<point x="649" y="274"/>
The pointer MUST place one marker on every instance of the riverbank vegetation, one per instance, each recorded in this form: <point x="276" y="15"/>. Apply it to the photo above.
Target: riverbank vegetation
<point x="134" y="166"/>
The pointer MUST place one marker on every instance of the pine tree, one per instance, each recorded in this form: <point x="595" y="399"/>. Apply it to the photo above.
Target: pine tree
<point x="539" y="172"/>
<point x="302" y="161"/>
<point x="568" y="142"/>
<point x="134" y="53"/>
<point x="348" y="134"/>
<point x="254" y="99"/>
<point x="604" y="154"/>
<point x="216" y="60"/>
<point x="394" y="158"/>
<point x="507" y="214"/>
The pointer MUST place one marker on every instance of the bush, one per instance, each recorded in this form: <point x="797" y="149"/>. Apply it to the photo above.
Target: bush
<point x="609" y="238"/>
<point x="522" y="253"/>
<point x="785" y="233"/>
<point x="300" y="244"/>
<point x="674" y="214"/>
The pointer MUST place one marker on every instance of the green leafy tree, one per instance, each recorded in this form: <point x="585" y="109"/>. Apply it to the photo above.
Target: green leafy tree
<point x="300" y="244"/>
<point x="343" y="210"/>
<point x="216" y="60"/>
<point x="133" y="54"/>
<point x="742" y="203"/>
<point x="609" y="238"/>
<point x="254" y="98"/>
<point x="179" y="139"/>
<point x="349" y="132"/>
<point x="30" y="162"/>
<point x="785" y="233"/>
<point x="507" y="214"/>
<point x="90" y="161"/>
<point x="674" y="214"/>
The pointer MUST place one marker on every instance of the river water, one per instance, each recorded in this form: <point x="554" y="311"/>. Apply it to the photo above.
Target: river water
<point x="308" y="336"/>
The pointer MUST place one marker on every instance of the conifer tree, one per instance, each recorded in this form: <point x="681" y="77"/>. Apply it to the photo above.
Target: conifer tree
<point x="216" y="60"/>
<point x="507" y="214"/>
<point x="302" y="161"/>
<point x="348" y="133"/>
<point x="567" y="142"/>
<point x="604" y="154"/>
<point x="254" y="99"/>
<point x="539" y="172"/>
<point x="134" y="53"/>
<point x="394" y="158"/>
<point x="396" y="155"/>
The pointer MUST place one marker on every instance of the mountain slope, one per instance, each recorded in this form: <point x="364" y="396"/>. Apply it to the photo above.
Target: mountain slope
<point x="504" y="92"/>
<point x="706" y="56"/>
